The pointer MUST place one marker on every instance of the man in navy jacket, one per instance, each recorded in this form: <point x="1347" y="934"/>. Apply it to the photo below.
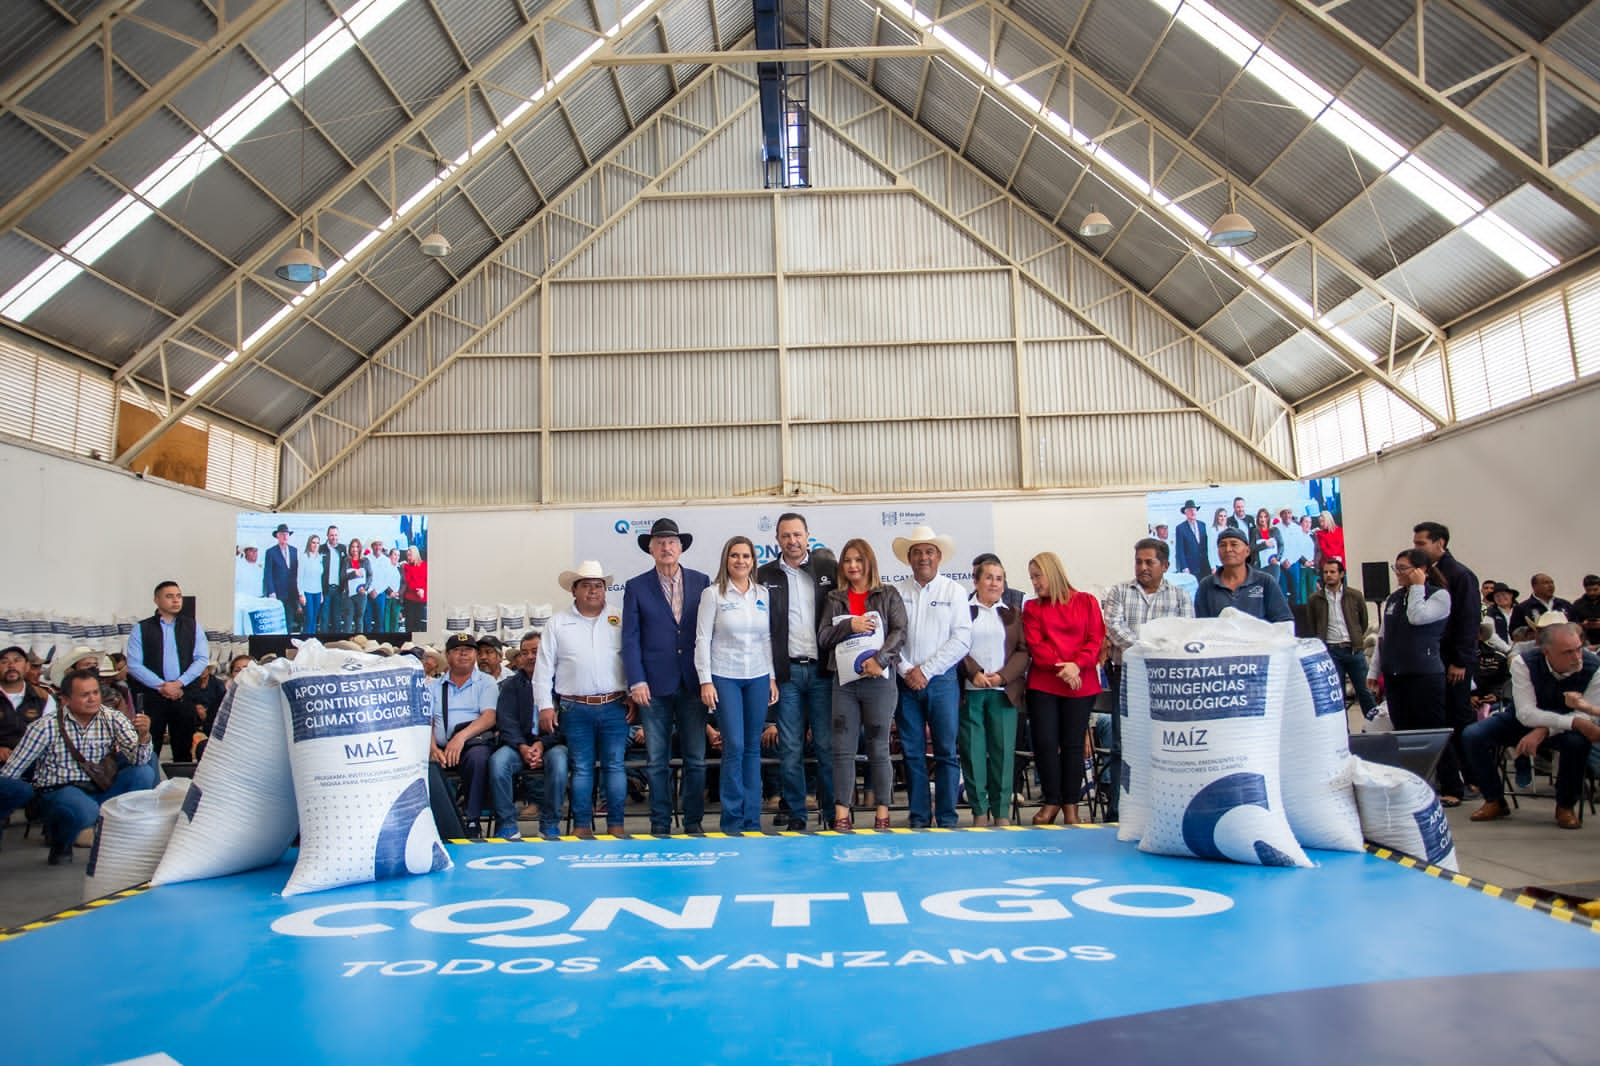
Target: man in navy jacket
<point x="282" y="579"/>
<point x="659" y="608"/>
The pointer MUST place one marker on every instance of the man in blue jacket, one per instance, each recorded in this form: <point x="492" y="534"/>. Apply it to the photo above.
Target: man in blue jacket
<point x="659" y="608"/>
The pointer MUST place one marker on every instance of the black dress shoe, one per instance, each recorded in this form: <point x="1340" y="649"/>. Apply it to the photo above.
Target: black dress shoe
<point x="60" y="853"/>
<point x="694" y="830"/>
<point x="473" y="830"/>
<point x="798" y="827"/>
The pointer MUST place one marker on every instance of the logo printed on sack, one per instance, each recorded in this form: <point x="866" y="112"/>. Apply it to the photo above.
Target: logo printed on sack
<point x="1194" y="647"/>
<point x="1218" y="820"/>
<point x="1436" y="840"/>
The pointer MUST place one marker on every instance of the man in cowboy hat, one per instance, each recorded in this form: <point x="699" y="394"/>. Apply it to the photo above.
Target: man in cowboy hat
<point x="580" y="656"/>
<point x="659" y="608"/>
<point x="1191" y="543"/>
<point x="282" y="579"/>
<point x="938" y="637"/>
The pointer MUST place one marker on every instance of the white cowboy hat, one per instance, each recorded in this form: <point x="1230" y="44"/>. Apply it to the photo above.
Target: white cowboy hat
<point x="923" y="535"/>
<point x="587" y="569"/>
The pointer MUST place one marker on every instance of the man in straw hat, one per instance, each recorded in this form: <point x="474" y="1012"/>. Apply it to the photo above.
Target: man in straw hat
<point x="659" y="612"/>
<point x="938" y="637"/>
<point x="580" y="656"/>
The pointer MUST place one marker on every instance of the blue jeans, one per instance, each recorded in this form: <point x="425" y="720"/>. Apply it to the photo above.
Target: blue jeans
<point x="742" y="712"/>
<point x="938" y="706"/>
<point x="603" y="726"/>
<point x="1502" y="730"/>
<point x="1352" y="664"/>
<point x="806" y="699"/>
<point x="684" y="710"/>
<point x="66" y="812"/>
<point x="504" y="766"/>
<point x="372" y="613"/>
<point x="14" y="793"/>
<point x="313" y="608"/>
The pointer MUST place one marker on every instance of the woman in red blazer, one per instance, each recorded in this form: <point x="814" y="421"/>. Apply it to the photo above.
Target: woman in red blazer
<point x="1064" y="632"/>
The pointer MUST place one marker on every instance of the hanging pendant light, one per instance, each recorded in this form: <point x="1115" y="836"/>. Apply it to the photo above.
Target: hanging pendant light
<point x="1095" y="223"/>
<point x="436" y="245"/>
<point x="1232" y="229"/>
<point x="300" y="265"/>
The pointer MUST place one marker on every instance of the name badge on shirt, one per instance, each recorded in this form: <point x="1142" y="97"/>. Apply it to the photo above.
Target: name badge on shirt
<point x="725" y="607"/>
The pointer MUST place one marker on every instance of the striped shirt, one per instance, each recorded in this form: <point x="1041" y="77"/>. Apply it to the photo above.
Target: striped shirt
<point x="1126" y="607"/>
<point x="43" y="748"/>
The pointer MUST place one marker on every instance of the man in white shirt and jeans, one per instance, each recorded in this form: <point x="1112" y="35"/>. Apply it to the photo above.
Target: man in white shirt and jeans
<point x="581" y="658"/>
<point x="938" y="636"/>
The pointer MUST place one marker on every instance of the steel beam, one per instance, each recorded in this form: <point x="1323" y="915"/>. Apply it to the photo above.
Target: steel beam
<point x="458" y="95"/>
<point x="1530" y="169"/>
<point x="768" y="55"/>
<point x="1141" y="196"/>
<point x="230" y="31"/>
<point x="550" y="210"/>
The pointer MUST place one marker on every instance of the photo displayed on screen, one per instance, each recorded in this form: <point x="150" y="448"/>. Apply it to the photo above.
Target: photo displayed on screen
<point x="330" y="574"/>
<point x="1292" y="527"/>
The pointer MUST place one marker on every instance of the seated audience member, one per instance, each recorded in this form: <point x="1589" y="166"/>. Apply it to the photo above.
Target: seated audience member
<point x="1586" y="610"/>
<point x="76" y="659"/>
<point x="1502" y="605"/>
<point x="35" y="676"/>
<point x="1540" y="603"/>
<point x="464" y="702"/>
<point x="66" y="752"/>
<point x="22" y="704"/>
<point x="1555" y="700"/>
<point x="236" y="664"/>
<point x="1237" y="584"/>
<point x="490" y="658"/>
<point x="523" y="747"/>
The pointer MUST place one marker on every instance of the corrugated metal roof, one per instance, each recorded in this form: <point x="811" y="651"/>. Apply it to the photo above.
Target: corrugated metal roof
<point x="1299" y="367"/>
<point x="62" y="99"/>
<point x="1315" y="178"/>
<point x="79" y="202"/>
<point x="357" y="313"/>
<point x="18" y="258"/>
<point x="150" y="54"/>
<point x="398" y="473"/>
<point x="1453" y="276"/>
<point x="414" y="54"/>
<point x="697" y="388"/>
<point x="163" y="265"/>
<point x="926" y="381"/>
<point x="685" y="464"/>
<point x="905" y="457"/>
<point x="663" y="238"/>
<point x="1390" y="223"/>
<point x="657" y="314"/>
<point x="474" y="395"/>
<point x="1094" y="451"/>
<point x="479" y="25"/>
<point x="1115" y="39"/>
<point x="1089" y="375"/>
<point x="119" y="325"/>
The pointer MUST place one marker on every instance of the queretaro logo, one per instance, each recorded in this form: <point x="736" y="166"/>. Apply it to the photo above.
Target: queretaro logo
<point x="764" y="523"/>
<point x="868" y="853"/>
<point x="621" y="526"/>
<point x="1194" y="647"/>
<point x="891" y="518"/>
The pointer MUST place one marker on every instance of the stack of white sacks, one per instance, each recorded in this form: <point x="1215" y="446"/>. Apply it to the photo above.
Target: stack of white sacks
<point x="332" y="745"/>
<point x="1235" y="746"/>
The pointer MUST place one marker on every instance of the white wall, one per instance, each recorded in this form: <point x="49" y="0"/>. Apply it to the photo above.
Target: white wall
<point x="1517" y="492"/>
<point x="83" y="538"/>
<point x="100" y="539"/>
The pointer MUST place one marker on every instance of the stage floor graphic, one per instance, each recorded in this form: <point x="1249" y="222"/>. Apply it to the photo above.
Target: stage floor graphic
<point x="966" y="946"/>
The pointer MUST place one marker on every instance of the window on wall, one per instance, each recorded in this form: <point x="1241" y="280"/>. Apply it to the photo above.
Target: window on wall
<point x="1533" y="351"/>
<point x="53" y="403"/>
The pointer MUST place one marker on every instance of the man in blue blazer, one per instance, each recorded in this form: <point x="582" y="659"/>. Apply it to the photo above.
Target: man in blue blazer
<point x="1190" y="540"/>
<point x="282" y="575"/>
<point x="659" y="608"/>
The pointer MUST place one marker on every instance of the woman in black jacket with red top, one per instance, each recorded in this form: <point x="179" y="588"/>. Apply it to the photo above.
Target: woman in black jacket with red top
<point x="860" y="604"/>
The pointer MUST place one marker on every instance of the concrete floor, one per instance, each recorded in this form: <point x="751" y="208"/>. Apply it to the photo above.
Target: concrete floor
<point x="1525" y="849"/>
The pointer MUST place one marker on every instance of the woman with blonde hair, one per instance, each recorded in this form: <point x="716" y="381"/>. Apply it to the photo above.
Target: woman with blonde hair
<point x="733" y="656"/>
<point x="1064" y="632"/>
<point x="862" y="604"/>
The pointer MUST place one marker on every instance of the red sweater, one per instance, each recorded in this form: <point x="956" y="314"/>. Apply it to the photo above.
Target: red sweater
<point x="1069" y="632"/>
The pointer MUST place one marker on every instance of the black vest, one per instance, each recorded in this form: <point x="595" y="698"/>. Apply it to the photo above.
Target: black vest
<point x="153" y="644"/>
<point x="14" y="721"/>
<point x="1549" y="690"/>
<point x="1408" y="649"/>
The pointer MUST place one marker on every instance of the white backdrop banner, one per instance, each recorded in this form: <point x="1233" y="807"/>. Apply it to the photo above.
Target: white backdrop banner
<point x="611" y="536"/>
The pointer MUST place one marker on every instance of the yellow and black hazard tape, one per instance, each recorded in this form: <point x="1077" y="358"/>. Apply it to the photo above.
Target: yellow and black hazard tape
<point x="1521" y="899"/>
<point x="12" y="932"/>
<point x="897" y="831"/>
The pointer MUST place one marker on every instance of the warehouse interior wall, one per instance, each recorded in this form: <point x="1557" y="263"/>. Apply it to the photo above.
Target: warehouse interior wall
<point x="1515" y="490"/>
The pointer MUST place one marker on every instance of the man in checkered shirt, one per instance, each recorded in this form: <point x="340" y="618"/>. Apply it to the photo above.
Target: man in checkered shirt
<point x="69" y="802"/>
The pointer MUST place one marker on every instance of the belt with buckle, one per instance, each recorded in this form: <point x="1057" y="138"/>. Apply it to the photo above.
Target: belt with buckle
<point x="596" y="701"/>
<point x="802" y="661"/>
<point x="1338" y="643"/>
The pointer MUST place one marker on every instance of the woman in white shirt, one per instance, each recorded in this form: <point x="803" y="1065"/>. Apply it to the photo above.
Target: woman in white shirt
<point x="312" y="564"/>
<point x="996" y="673"/>
<point x="733" y="656"/>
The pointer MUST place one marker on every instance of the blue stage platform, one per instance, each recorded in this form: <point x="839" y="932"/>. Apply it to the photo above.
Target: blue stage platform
<point x="971" y="946"/>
